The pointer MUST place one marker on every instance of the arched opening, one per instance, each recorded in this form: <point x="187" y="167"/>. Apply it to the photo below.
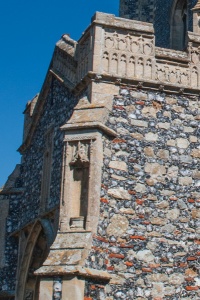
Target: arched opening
<point x="179" y="24"/>
<point x="32" y="257"/>
<point x="39" y="255"/>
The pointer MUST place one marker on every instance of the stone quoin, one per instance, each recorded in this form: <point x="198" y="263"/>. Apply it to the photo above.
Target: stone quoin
<point x="105" y="204"/>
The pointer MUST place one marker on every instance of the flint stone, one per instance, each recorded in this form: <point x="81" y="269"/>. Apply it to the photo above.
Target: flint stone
<point x="190" y="273"/>
<point x="173" y="214"/>
<point x="188" y="129"/>
<point x="163" y="154"/>
<point x="120" y="267"/>
<point x="195" y="153"/>
<point x="128" y="211"/>
<point x="196" y="213"/>
<point x="176" y="279"/>
<point x="157" y="277"/>
<point x="117" y="280"/>
<point x="155" y="169"/>
<point x="178" y="109"/>
<point x="182" y="143"/>
<point x="158" y="221"/>
<point x="180" y="254"/>
<point x="169" y="228"/>
<point x="139" y="123"/>
<point x="193" y="139"/>
<point x="140" y="282"/>
<point x="163" y="204"/>
<point x="196" y="174"/>
<point x="158" y="290"/>
<point x="145" y="255"/>
<point x="107" y="152"/>
<point x="171" y="143"/>
<point x="118" y="225"/>
<point x="181" y="204"/>
<point x="149" y="151"/>
<point x="122" y="153"/>
<point x="152" y="246"/>
<point x="149" y="111"/>
<point x="185" y="180"/>
<point x="170" y="290"/>
<point x="151" y="137"/>
<point x="122" y="130"/>
<point x="119" y="193"/>
<point x="137" y="136"/>
<point x="118" y="177"/>
<point x="164" y="125"/>
<point x="140" y="188"/>
<point x="167" y="192"/>
<point x="197" y="281"/>
<point x="120" y="165"/>
<point x="185" y="159"/>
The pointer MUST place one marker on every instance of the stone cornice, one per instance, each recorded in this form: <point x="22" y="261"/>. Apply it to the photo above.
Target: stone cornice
<point x="89" y="125"/>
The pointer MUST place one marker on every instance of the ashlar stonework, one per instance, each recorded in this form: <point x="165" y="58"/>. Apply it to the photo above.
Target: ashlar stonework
<point x="105" y="204"/>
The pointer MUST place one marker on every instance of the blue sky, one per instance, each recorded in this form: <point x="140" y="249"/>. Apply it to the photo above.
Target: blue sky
<point x="28" y="32"/>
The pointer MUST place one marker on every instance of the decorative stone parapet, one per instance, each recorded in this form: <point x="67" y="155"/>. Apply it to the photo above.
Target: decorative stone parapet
<point x="117" y="48"/>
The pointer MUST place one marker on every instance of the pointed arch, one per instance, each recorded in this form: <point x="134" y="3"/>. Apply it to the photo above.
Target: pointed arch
<point x="33" y="254"/>
<point x="179" y="24"/>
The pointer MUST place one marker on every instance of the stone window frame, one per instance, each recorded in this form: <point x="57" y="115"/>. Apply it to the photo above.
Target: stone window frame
<point x="94" y="186"/>
<point x="172" y="27"/>
<point x="46" y="169"/>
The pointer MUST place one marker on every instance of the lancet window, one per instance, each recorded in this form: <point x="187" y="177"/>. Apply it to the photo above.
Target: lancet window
<point x="179" y="24"/>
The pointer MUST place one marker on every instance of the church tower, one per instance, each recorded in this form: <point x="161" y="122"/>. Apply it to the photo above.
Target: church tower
<point x="171" y="19"/>
<point x="106" y="202"/>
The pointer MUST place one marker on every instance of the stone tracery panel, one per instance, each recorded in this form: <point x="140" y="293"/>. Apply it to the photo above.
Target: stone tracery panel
<point x="133" y="55"/>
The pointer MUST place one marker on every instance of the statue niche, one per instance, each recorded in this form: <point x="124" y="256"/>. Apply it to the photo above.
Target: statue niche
<point x="79" y="169"/>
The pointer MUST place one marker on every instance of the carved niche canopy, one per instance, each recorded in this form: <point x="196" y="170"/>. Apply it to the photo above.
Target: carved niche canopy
<point x="80" y="156"/>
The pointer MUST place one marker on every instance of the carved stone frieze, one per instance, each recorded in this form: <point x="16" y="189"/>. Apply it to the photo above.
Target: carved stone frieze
<point x="129" y="43"/>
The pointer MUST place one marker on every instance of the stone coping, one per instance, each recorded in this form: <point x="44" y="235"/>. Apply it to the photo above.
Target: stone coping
<point x="89" y="125"/>
<point x="11" y="191"/>
<point x="72" y="270"/>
